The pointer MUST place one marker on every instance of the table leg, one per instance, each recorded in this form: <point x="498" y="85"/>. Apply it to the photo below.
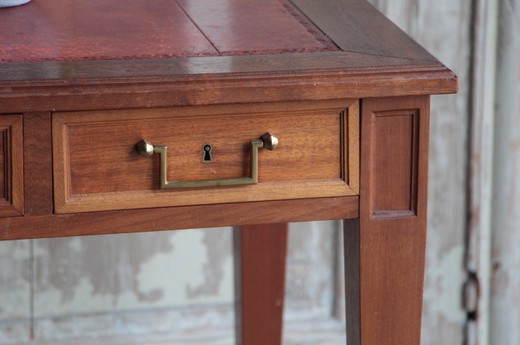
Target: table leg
<point x="260" y="252"/>
<point x="384" y="248"/>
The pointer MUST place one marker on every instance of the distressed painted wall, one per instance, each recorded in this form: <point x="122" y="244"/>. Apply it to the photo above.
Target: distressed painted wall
<point x="505" y="221"/>
<point x="115" y="285"/>
<point x="15" y="291"/>
<point x="152" y="286"/>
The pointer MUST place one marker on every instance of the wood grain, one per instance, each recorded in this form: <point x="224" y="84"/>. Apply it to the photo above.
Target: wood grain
<point x="385" y="253"/>
<point x="38" y="163"/>
<point x="350" y="24"/>
<point x="96" y="85"/>
<point x="188" y="217"/>
<point x="351" y="147"/>
<point x="260" y="252"/>
<point x="97" y="168"/>
<point x="395" y="132"/>
<point x="352" y="251"/>
<point x="11" y="147"/>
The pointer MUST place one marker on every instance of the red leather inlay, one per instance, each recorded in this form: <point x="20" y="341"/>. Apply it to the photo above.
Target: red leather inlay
<point x="98" y="29"/>
<point x="249" y="26"/>
<point x="45" y="30"/>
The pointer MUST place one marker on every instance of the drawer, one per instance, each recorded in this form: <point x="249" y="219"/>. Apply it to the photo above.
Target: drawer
<point x="11" y="166"/>
<point x="97" y="165"/>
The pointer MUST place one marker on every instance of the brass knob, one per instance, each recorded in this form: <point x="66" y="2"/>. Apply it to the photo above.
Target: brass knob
<point x="270" y="141"/>
<point x="144" y="148"/>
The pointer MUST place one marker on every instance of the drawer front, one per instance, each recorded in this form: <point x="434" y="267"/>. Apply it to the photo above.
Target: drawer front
<point x="11" y="162"/>
<point x="97" y="166"/>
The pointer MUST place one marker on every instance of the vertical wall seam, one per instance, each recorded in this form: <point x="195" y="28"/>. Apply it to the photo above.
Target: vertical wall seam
<point x="504" y="304"/>
<point x="479" y="169"/>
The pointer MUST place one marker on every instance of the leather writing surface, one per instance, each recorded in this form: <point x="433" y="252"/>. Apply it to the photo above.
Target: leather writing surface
<point x="60" y="30"/>
<point x="107" y="29"/>
<point x="253" y="26"/>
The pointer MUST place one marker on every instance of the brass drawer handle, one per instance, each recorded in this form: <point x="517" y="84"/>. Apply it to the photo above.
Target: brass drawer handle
<point x="267" y="140"/>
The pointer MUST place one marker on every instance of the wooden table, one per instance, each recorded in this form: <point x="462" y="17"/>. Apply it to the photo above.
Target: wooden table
<point x="85" y="86"/>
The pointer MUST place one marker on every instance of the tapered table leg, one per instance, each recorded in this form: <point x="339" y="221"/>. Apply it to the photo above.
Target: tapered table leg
<point x="384" y="248"/>
<point x="260" y="252"/>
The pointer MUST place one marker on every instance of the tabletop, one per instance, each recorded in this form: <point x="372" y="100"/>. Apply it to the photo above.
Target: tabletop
<point x="83" y="43"/>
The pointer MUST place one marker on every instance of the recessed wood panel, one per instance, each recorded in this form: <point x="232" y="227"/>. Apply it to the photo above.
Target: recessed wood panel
<point x="96" y="166"/>
<point x="11" y="166"/>
<point x="384" y="261"/>
<point x="394" y="158"/>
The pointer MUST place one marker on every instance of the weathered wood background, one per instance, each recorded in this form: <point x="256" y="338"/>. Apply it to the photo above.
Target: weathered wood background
<point x="178" y="285"/>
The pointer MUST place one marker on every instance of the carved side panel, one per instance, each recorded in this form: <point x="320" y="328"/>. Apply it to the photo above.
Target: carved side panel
<point x="385" y="247"/>
<point x="395" y="156"/>
<point x="11" y="166"/>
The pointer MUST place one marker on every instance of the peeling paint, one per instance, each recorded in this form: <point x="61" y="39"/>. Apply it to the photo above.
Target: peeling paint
<point x="310" y="291"/>
<point x="15" y="280"/>
<point x="219" y="251"/>
<point x="93" y="285"/>
<point x="505" y="282"/>
<point x="109" y="264"/>
<point x="129" y="271"/>
<point x="443" y="286"/>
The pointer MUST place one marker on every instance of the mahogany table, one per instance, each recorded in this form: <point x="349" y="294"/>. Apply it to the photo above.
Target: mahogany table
<point x="125" y="116"/>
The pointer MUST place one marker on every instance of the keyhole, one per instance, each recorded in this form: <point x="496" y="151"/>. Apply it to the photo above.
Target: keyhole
<point x="207" y="157"/>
